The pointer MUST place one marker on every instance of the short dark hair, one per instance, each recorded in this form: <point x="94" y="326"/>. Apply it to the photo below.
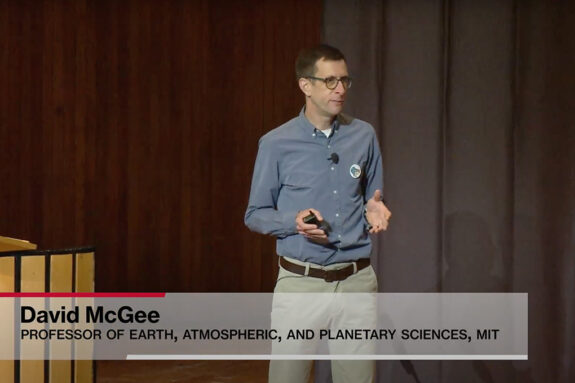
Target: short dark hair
<point x="305" y="62"/>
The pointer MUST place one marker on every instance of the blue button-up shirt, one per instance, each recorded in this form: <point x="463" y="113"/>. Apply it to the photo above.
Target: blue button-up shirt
<point x="295" y="170"/>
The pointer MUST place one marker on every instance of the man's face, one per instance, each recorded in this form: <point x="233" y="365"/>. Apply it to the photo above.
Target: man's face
<point x="322" y="101"/>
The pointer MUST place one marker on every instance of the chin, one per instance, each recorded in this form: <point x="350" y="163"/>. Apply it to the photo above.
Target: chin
<point x="336" y="111"/>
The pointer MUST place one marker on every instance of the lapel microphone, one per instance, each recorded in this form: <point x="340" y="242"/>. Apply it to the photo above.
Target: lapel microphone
<point x="334" y="158"/>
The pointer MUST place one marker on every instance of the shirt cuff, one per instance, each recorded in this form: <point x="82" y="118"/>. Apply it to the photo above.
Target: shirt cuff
<point x="288" y="222"/>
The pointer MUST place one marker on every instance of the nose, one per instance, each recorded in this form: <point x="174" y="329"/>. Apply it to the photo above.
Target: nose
<point x="339" y="88"/>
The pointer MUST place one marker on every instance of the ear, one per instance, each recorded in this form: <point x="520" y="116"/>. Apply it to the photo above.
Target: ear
<point x="305" y="86"/>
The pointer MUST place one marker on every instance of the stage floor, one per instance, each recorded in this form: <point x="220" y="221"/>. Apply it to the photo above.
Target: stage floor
<point x="120" y="371"/>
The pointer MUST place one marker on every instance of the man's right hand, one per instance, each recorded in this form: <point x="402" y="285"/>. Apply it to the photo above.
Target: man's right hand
<point x="309" y="230"/>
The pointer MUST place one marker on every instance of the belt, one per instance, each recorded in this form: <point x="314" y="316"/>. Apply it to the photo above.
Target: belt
<point x="327" y="275"/>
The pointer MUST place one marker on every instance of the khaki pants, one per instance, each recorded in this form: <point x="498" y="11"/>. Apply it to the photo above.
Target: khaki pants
<point x="323" y="311"/>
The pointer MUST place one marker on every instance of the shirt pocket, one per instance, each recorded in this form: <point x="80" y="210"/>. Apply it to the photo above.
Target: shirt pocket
<point x="300" y="190"/>
<point x="299" y="181"/>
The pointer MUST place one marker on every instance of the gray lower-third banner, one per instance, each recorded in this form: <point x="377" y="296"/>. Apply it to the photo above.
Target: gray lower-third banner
<point x="393" y="326"/>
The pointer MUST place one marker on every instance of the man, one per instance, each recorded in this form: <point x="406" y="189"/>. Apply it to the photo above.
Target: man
<point x="328" y="165"/>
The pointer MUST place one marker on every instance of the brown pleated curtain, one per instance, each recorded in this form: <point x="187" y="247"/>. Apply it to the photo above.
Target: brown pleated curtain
<point x="474" y="105"/>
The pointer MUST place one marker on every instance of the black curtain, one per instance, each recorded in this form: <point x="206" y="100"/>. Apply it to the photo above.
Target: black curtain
<point x="474" y="104"/>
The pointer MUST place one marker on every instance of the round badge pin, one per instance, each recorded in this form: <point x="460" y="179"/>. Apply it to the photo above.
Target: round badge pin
<point x="355" y="171"/>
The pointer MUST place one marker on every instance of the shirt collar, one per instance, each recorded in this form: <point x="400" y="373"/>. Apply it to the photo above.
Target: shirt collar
<point x="308" y="127"/>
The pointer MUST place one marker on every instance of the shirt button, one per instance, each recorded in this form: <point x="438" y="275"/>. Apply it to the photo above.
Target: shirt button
<point x="332" y="168"/>
<point x="339" y="235"/>
<point x="313" y="134"/>
<point x="335" y="192"/>
<point x="329" y="146"/>
<point x="337" y="214"/>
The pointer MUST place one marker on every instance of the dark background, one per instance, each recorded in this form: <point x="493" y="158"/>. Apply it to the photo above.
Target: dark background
<point x="474" y="103"/>
<point x="133" y="126"/>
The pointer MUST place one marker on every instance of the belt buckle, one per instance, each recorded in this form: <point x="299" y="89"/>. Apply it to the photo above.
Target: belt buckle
<point x="329" y="276"/>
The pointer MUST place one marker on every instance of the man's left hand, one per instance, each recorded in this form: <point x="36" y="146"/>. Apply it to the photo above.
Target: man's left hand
<point x="377" y="213"/>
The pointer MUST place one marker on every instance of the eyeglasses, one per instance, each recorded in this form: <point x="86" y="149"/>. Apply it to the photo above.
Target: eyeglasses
<point x="331" y="82"/>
